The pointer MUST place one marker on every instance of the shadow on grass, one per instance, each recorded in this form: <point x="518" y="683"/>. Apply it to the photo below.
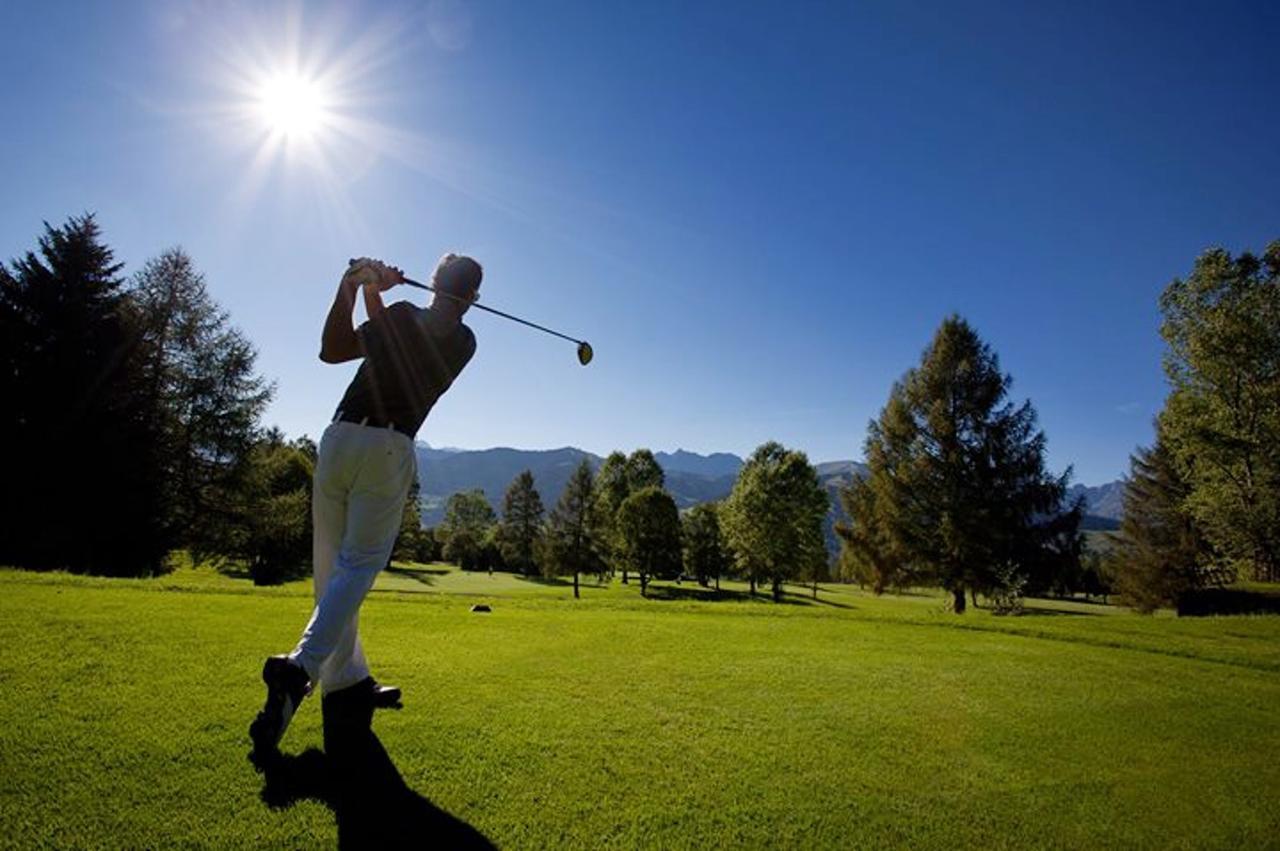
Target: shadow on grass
<point x="373" y="806"/>
<point x="698" y="593"/>
<point x="424" y="575"/>
<point x="561" y="581"/>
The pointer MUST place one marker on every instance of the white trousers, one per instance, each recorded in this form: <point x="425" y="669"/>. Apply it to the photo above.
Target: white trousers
<point x="362" y="478"/>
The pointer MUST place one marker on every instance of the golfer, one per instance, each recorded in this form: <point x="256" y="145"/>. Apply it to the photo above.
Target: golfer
<point x="366" y="464"/>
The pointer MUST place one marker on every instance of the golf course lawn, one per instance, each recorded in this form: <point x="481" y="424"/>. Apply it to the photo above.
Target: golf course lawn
<point x="613" y="721"/>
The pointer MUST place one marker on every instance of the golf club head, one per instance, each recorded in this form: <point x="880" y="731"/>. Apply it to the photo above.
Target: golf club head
<point x="584" y="353"/>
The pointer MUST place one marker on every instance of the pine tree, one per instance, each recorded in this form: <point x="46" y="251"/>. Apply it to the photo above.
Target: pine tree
<point x="649" y="530"/>
<point x="409" y="542"/>
<point x="643" y="471"/>
<point x="199" y="378"/>
<point x="521" y="524"/>
<point x="957" y="494"/>
<point x="1159" y="554"/>
<point x="571" y="545"/>
<point x="773" y="517"/>
<point x="71" y="376"/>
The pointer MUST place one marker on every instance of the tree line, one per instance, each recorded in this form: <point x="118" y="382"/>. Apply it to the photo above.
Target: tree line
<point x="133" y="415"/>
<point x="621" y="520"/>
<point x="1202" y="506"/>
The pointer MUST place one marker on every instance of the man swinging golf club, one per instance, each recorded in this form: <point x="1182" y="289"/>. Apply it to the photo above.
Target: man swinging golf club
<point x="365" y="466"/>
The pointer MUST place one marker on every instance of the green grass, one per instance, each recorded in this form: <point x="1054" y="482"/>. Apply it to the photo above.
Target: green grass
<point x="613" y="721"/>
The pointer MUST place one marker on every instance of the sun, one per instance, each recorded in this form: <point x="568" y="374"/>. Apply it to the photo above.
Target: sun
<point x="291" y="105"/>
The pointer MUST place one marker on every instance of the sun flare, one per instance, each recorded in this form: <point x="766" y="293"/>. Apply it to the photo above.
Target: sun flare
<point x="292" y="105"/>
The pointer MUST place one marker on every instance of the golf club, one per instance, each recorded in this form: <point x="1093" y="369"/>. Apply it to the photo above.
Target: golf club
<point x="584" y="348"/>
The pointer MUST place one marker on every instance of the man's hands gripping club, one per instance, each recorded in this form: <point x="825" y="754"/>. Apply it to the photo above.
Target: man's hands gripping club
<point x="367" y="272"/>
<point x="339" y="343"/>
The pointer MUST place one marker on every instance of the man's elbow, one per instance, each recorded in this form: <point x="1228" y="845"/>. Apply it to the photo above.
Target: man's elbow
<point x="340" y="354"/>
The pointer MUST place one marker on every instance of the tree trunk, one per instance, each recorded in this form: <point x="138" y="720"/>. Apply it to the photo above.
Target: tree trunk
<point x="575" y="585"/>
<point x="958" y="596"/>
<point x="644" y="584"/>
<point x="624" y="576"/>
<point x="717" y="583"/>
<point x="777" y="590"/>
<point x="973" y="593"/>
<point x="815" y="589"/>
<point x="753" y="586"/>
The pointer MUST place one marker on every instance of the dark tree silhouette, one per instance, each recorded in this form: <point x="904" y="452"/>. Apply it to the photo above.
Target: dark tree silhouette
<point x="80" y="427"/>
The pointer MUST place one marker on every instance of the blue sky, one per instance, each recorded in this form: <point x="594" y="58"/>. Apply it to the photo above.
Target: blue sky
<point x="757" y="213"/>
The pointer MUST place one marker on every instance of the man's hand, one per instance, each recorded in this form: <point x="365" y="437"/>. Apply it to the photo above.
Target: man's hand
<point x="366" y="272"/>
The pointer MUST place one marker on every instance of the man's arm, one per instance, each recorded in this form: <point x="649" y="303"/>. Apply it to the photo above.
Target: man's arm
<point x="340" y="342"/>
<point x="373" y="301"/>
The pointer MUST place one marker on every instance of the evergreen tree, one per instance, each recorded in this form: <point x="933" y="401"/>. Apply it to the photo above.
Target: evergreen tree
<point x="1159" y="553"/>
<point x="649" y="530"/>
<point x="643" y="471"/>
<point x="409" y="542"/>
<point x="521" y="524"/>
<point x="571" y="545"/>
<point x="467" y="520"/>
<point x="869" y="554"/>
<point x="773" y="517"/>
<point x="199" y="379"/>
<point x="1221" y="421"/>
<point x="610" y="489"/>
<point x="71" y="376"/>
<point x="705" y="555"/>
<point x="957" y="494"/>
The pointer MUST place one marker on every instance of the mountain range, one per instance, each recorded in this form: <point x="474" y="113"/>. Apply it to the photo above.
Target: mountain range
<point x="690" y="477"/>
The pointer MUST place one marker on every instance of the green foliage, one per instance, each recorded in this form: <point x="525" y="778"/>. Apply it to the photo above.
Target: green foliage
<point x="957" y="494"/>
<point x="706" y="557"/>
<point x="72" y="377"/>
<point x="649" y="534"/>
<point x="414" y="543"/>
<point x="619" y="477"/>
<point x="269" y="520"/>
<point x="199" y="380"/>
<point x="870" y="554"/>
<point x="468" y="520"/>
<point x="1159" y="554"/>
<point x="643" y="471"/>
<point x="1222" y="419"/>
<point x="571" y="545"/>
<point x="153" y="389"/>
<point x="521" y="524"/>
<point x="773" y="517"/>
<point x="610" y="489"/>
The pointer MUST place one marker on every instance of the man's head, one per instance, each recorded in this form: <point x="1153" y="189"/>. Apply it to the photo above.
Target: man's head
<point x="457" y="276"/>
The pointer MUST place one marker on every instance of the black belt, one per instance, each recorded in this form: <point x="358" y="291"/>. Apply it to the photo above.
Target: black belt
<point x="372" y="422"/>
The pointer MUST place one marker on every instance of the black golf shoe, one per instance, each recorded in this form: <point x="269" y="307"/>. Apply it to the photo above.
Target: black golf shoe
<point x="348" y="715"/>
<point x="386" y="697"/>
<point x="287" y="685"/>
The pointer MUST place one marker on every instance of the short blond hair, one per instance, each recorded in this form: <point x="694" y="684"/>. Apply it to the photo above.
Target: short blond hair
<point x="457" y="275"/>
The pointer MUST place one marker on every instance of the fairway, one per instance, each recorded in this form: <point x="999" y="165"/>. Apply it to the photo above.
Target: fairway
<point x="613" y="721"/>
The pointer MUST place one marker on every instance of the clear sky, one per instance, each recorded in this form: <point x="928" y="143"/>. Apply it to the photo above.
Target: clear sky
<point x="757" y="213"/>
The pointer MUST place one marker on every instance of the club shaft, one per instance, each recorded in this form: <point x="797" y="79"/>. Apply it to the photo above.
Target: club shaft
<point x="422" y="286"/>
